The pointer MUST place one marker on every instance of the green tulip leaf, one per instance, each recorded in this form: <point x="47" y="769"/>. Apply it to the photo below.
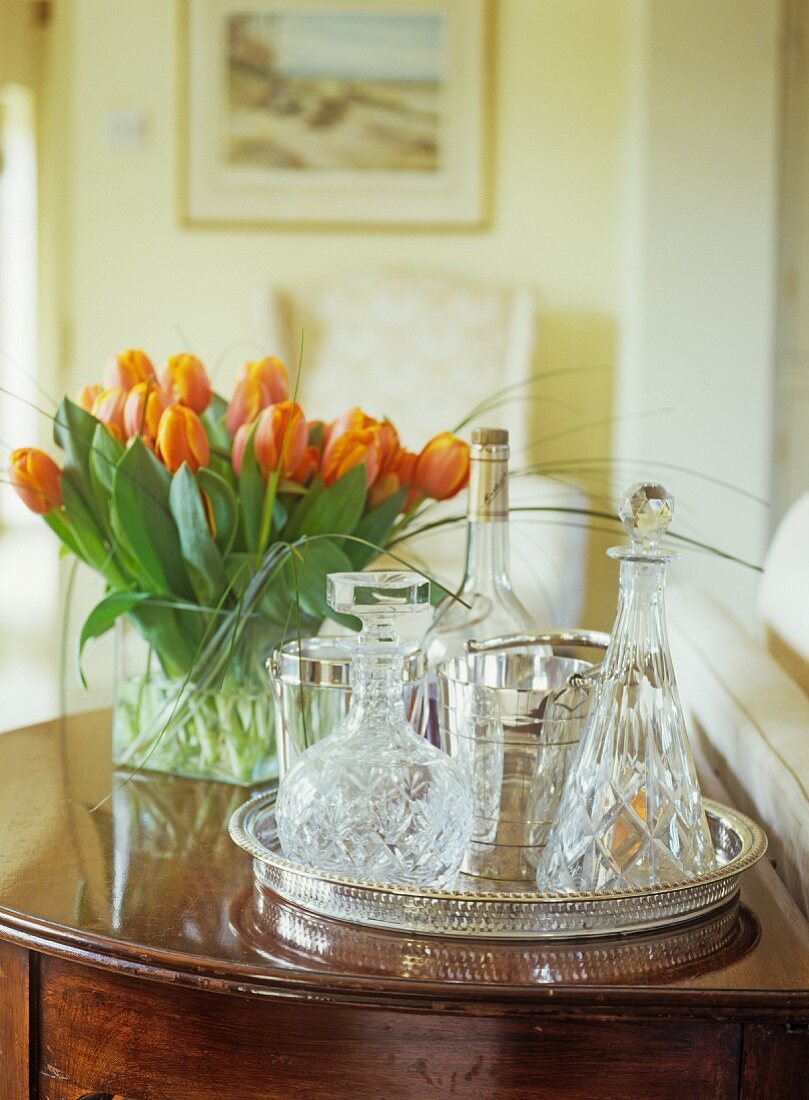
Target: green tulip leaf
<point x="103" y="617"/>
<point x="142" y="519"/>
<point x="105" y="454"/>
<point x="251" y="494"/>
<point x="213" y="420"/>
<point x="99" y="551"/>
<point x="203" y="561"/>
<point x="73" y="431"/>
<point x="375" y="527"/>
<point x="335" y="509"/>
<point x="301" y="578"/>
<point x="225" y="507"/>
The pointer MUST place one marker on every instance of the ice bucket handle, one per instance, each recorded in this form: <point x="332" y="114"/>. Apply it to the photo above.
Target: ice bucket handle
<point x="556" y="639"/>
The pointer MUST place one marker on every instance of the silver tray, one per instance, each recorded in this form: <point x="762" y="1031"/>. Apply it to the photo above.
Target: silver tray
<point x="498" y="910"/>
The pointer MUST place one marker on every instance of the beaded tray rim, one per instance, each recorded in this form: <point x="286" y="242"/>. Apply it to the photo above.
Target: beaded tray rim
<point x="751" y="837"/>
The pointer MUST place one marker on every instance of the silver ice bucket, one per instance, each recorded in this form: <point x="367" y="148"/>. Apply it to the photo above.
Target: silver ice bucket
<point x="513" y="717"/>
<point x="311" y="681"/>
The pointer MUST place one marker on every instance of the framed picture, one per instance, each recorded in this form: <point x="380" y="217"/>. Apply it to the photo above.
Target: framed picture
<point x="335" y="112"/>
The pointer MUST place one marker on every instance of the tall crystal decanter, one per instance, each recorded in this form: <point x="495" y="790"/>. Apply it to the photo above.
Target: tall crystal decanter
<point x="374" y="799"/>
<point x="631" y="815"/>
<point x="487" y="607"/>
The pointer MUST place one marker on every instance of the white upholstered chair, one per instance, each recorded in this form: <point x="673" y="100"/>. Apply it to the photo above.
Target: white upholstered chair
<point x="748" y="696"/>
<point x="425" y="349"/>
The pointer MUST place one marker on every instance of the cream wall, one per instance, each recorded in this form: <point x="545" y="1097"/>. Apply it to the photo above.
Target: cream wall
<point x="134" y="275"/>
<point x="634" y="191"/>
<point x="696" y="375"/>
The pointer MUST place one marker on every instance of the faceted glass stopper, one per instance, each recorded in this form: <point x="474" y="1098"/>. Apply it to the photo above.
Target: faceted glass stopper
<point x="377" y="595"/>
<point x="646" y="512"/>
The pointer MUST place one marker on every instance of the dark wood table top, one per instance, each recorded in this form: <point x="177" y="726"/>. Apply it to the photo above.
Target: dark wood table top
<point x="150" y="883"/>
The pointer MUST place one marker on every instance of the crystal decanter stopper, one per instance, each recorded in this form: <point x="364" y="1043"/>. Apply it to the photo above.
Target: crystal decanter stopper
<point x="374" y="799"/>
<point x="631" y="814"/>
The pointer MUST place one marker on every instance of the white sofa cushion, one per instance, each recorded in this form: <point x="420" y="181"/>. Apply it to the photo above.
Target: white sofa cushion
<point x="751" y="720"/>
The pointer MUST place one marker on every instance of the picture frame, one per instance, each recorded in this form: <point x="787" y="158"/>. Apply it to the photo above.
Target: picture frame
<point x="371" y="114"/>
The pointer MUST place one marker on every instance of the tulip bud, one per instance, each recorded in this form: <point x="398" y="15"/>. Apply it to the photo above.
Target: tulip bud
<point x="181" y="438"/>
<point x="388" y="446"/>
<point x="271" y="375"/>
<point x="442" y="468"/>
<point x="350" y="421"/>
<point x="249" y="398"/>
<point x="281" y="438"/>
<point x="108" y="407"/>
<point x="36" y="478"/>
<point x="184" y="377"/>
<point x="239" y="444"/>
<point x="145" y="404"/>
<point x="349" y="450"/>
<point x="384" y="486"/>
<point x="307" y="465"/>
<point x="127" y="369"/>
<point x="86" y="396"/>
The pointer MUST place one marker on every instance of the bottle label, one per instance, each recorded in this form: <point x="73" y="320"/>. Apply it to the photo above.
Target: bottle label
<point x="488" y="488"/>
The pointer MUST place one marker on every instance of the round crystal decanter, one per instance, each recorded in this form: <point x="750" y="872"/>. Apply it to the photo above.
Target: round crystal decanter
<point x="374" y="799"/>
<point x="631" y="814"/>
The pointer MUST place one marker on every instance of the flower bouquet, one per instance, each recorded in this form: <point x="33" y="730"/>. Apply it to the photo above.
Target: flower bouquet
<point x="214" y="525"/>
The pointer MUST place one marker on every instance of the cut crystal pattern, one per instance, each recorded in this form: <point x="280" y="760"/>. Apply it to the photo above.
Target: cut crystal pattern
<point x="631" y="815"/>
<point x="374" y="798"/>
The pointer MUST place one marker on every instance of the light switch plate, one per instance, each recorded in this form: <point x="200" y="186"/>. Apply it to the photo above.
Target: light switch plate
<point x="125" y="128"/>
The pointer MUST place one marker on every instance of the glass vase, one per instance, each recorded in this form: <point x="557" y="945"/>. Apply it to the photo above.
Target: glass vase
<point x="164" y="721"/>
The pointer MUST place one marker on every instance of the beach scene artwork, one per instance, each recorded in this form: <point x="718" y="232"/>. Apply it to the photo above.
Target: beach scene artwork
<point x="347" y="90"/>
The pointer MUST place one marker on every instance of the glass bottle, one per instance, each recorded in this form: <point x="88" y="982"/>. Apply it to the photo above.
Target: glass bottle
<point x="374" y="799"/>
<point x="486" y="606"/>
<point x="631" y="815"/>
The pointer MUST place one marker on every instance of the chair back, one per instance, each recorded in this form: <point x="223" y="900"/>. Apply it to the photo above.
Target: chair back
<point x="421" y="348"/>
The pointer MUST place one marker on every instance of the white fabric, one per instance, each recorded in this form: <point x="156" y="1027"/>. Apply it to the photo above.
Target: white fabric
<point x="752" y="722"/>
<point x="421" y="348"/>
<point x="784" y="590"/>
<point x="425" y="349"/>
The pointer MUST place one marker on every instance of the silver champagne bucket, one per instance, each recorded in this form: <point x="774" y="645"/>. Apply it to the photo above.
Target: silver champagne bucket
<point x="513" y="717"/>
<point x="311" y="682"/>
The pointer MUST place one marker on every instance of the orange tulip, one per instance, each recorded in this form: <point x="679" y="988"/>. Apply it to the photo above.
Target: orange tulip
<point x="281" y="438"/>
<point x="181" y="438"/>
<point x="399" y="473"/>
<point x="239" y="443"/>
<point x="145" y="404"/>
<point x="36" y="478"/>
<point x="108" y="407"/>
<point x="350" y="449"/>
<point x="271" y="375"/>
<point x="442" y="468"/>
<point x="127" y="369"/>
<point x="184" y="377"/>
<point x="389" y="446"/>
<point x="86" y="396"/>
<point x="249" y="398"/>
<point x="350" y="421"/>
<point x="307" y="465"/>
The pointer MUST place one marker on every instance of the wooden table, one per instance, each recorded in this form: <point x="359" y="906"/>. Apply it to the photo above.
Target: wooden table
<point x="135" y="960"/>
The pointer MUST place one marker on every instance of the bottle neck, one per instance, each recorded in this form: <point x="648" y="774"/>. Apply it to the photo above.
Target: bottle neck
<point x="487" y="549"/>
<point x="639" y="647"/>
<point x="376" y="679"/>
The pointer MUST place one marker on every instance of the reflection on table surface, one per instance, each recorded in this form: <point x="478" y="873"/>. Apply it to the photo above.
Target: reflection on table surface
<point x="140" y="865"/>
<point x="284" y="932"/>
